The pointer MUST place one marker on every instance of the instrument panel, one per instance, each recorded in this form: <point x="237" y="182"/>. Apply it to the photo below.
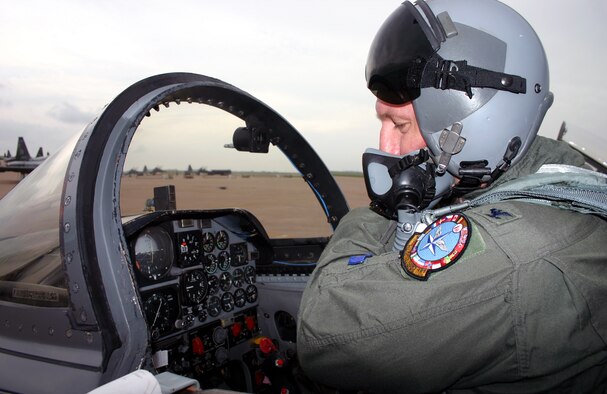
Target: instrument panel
<point x="192" y="271"/>
<point x="196" y="273"/>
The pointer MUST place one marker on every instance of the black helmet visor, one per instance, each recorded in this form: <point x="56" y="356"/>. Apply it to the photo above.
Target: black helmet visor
<point x="402" y="42"/>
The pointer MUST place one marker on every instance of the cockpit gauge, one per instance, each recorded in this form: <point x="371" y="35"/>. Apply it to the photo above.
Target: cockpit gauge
<point x="210" y="263"/>
<point x="251" y="293"/>
<point x="213" y="306"/>
<point x="224" y="260"/>
<point x="195" y="285"/>
<point x="213" y="283"/>
<point x="154" y="253"/>
<point x="225" y="281"/>
<point x="208" y="242"/>
<point x="238" y="277"/>
<point x="220" y="335"/>
<point x="249" y="275"/>
<point x="189" y="248"/>
<point x="160" y="312"/>
<point x="239" y="254"/>
<point x="222" y="240"/>
<point x="227" y="302"/>
<point x="240" y="298"/>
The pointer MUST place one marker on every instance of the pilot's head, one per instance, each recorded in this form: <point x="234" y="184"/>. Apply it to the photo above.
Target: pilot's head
<point x="475" y="74"/>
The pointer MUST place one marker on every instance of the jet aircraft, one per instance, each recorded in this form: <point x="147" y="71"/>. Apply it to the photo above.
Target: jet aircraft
<point x="22" y="161"/>
<point x="88" y="296"/>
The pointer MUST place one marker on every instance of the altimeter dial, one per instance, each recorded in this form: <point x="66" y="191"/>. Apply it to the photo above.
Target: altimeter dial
<point x="195" y="285"/>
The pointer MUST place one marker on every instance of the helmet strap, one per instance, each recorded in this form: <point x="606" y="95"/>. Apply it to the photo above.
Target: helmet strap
<point x="443" y="74"/>
<point x="473" y="172"/>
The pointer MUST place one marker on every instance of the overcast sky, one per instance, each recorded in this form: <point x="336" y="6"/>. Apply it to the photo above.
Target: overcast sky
<point x="62" y="61"/>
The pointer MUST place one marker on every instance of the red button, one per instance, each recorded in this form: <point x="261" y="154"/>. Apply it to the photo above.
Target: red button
<point x="197" y="346"/>
<point x="236" y="329"/>
<point x="249" y="321"/>
<point x="266" y="345"/>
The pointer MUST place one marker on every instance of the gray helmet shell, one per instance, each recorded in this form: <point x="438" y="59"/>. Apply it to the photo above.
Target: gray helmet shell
<point x="493" y="36"/>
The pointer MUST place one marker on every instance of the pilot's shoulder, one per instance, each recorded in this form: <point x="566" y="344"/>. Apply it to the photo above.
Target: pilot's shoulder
<point x="362" y="218"/>
<point x="527" y="231"/>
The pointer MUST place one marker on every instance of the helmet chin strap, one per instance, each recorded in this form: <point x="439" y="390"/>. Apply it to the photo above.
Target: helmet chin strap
<point x="473" y="172"/>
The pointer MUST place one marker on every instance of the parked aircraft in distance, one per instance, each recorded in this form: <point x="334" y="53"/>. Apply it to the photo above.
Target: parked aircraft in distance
<point x="22" y="161"/>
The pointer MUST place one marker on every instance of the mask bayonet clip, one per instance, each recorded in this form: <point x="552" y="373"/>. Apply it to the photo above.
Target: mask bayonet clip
<point x="451" y="142"/>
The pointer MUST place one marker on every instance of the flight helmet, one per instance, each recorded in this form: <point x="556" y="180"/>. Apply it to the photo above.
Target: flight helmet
<point x="477" y="75"/>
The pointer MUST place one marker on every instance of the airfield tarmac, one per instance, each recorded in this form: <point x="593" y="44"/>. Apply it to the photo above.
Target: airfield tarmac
<point x="284" y="204"/>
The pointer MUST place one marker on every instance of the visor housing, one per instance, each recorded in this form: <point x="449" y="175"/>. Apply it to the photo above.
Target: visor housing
<point x="403" y="41"/>
<point x="406" y="56"/>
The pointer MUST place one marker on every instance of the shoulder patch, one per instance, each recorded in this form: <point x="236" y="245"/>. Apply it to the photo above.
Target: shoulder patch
<point x="437" y="247"/>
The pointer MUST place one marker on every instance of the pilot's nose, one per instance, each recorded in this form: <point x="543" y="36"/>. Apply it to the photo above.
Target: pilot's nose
<point x="389" y="138"/>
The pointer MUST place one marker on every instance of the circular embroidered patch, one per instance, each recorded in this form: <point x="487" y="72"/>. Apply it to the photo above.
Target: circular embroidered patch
<point x="437" y="247"/>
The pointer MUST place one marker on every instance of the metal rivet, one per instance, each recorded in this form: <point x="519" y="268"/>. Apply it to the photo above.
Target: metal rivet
<point x="67" y="227"/>
<point x="68" y="333"/>
<point x="51" y="331"/>
<point x="89" y="337"/>
<point x="83" y="316"/>
<point x="538" y="88"/>
<point x="68" y="199"/>
<point x="69" y="257"/>
<point x="75" y="287"/>
<point x="71" y="177"/>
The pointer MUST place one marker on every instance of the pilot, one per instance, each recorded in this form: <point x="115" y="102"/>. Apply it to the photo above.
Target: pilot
<point x="502" y="286"/>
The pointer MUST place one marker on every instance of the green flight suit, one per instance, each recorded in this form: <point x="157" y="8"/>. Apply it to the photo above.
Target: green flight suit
<point x="522" y="310"/>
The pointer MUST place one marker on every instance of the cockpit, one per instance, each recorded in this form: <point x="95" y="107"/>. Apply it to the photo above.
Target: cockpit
<point x="106" y="269"/>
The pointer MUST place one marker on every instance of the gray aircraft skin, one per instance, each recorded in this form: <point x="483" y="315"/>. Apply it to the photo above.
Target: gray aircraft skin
<point x="22" y="162"/>
<point x="87" y="296"/>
